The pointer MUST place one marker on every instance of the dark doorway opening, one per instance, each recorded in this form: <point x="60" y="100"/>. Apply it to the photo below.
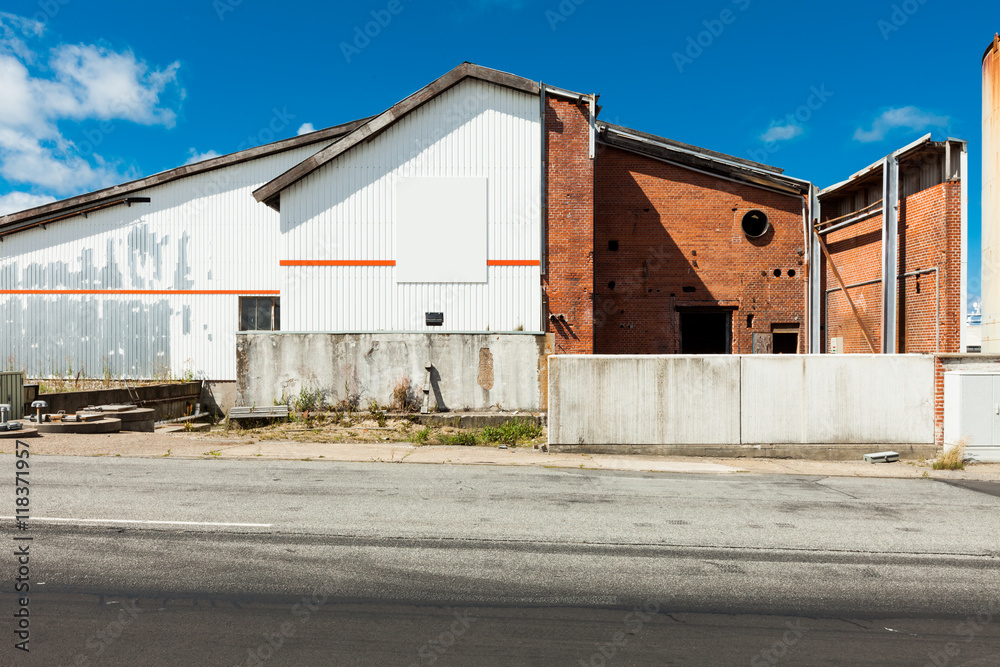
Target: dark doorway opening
<point x="706" y="333"/>
<point x="786" y="338"/>
<point x="786" y="343"/>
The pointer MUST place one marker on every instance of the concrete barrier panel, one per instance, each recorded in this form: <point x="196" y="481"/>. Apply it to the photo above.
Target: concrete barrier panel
<point x="471" y="371"/>
<point x="837" y="399"/>
<point x="643" y="400"/>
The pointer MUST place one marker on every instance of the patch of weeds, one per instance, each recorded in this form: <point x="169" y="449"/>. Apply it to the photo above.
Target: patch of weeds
<point x="308" y="399"/>
<point x="512" y="432"/>
<point x="376" y="412"/>
<point x="462" y="438"/>
<point x="422" y="435"/>
<point x="214" y="452"/>
<point x="952" y="459"/>
<point x="350" y="402"/>
<point x="167" y="454"/>
<point x="404" y="399"/>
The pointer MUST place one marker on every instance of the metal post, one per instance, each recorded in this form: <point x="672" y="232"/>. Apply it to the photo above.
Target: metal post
<point x="815" y="279"/>
<point x="890" y="256"/>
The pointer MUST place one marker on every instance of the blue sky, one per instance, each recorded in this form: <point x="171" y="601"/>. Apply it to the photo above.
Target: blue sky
<point x="91" y="97"/>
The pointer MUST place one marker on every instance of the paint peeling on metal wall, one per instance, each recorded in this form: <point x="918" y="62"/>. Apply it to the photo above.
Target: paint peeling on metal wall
<point x="205" y="233"/>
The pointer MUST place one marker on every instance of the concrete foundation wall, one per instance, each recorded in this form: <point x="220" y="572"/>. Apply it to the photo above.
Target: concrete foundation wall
<point x="741" y="404"/>
<point x="470" y="371"/>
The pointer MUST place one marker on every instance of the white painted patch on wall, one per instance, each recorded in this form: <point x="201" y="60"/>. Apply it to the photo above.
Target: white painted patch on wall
<point x="441" y="235"/>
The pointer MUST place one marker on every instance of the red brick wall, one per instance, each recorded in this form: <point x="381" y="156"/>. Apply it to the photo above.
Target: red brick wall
<point x="569" y="279"/>
<point x="857" y="254"/>
<point x="679" y="229"/>
<point x="929" y="236"/>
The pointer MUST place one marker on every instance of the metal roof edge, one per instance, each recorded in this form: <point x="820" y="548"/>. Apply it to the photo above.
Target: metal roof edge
<point x="160" y="178"/>
<point x="746" y="173"/>
<point x="694" y="150"/>
<point x="270" y="193"/>
<point x="877" y="165"/>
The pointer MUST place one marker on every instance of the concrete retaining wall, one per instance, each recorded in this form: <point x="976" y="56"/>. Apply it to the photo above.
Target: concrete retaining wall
<point x="742" y="405"/>
<point x="470" y="371"/>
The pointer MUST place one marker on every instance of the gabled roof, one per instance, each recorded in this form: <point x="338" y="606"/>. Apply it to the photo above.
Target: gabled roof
<point x="270" y="193"/>
<point x="700" y="159"/>
<point x="120" y="194"/>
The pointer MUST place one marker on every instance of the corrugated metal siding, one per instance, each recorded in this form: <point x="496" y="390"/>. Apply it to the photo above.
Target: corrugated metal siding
<point x="345" y="211"/>
<point x="202" y="233"/>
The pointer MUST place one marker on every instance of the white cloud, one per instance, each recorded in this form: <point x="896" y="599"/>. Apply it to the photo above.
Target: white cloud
<point x="975" y="304"/>
<point x="195" y="156"/>
<point x="306" y="128"/>
<point x="781" y="132"/>
<point x="13" y="202"/>
<point x="45" y="88"/>
<point x="910" y="118"/>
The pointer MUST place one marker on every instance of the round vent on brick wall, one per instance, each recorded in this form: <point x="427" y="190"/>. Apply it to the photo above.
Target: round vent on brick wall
<point x="755" y="224"/>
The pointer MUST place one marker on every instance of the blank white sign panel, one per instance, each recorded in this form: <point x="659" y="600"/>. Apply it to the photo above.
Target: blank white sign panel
<point x="441" y="230"/>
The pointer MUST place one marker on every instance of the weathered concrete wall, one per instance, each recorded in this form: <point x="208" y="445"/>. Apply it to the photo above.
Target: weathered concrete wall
<point x="219" y="397"/>
<point x="470" y="371"/>
<point x="837" y="399"/>
<point x="643" y="400"/>
<point x="742" y="405"/>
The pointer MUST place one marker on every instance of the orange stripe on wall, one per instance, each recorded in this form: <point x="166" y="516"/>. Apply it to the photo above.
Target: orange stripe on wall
<point x="390" y="262"/>
<point x="513" y="262"/>
<point x="338" y="262"/>
<point x="140" y="292"/>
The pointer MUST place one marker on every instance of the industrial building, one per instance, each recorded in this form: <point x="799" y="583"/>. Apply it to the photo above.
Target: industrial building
<point x="895" y="236"/>
<point x="484" y="207"/>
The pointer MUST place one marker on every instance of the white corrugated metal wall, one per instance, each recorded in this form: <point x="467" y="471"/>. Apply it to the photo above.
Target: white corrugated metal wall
<point x="178" y="266"/>
<point x="345" y="212"/>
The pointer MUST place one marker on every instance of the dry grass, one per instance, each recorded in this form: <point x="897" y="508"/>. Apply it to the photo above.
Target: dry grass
<point x="359" y="427"/>
<point x="49" y="386"/>
<point x="951" y="459"/>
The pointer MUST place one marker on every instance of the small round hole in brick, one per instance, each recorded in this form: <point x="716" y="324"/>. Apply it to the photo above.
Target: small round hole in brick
<point x="777" y="273"/>
<point x="755" y="224"/>
<point x="791" y="273"/>
<point x="611" y="284"/>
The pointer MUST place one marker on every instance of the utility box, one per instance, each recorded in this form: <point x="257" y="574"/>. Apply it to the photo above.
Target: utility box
<point x="972" y="414"/>
<point x="12" y="393"/>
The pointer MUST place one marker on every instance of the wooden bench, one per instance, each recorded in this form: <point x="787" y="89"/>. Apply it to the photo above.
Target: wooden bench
<point x="267" y="412"/>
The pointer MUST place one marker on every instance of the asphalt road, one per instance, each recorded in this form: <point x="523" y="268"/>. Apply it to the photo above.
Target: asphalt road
<point x="192" y="562"/>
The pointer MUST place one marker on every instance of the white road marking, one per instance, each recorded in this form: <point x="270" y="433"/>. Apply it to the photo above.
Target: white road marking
<point x="156" y="523"/>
